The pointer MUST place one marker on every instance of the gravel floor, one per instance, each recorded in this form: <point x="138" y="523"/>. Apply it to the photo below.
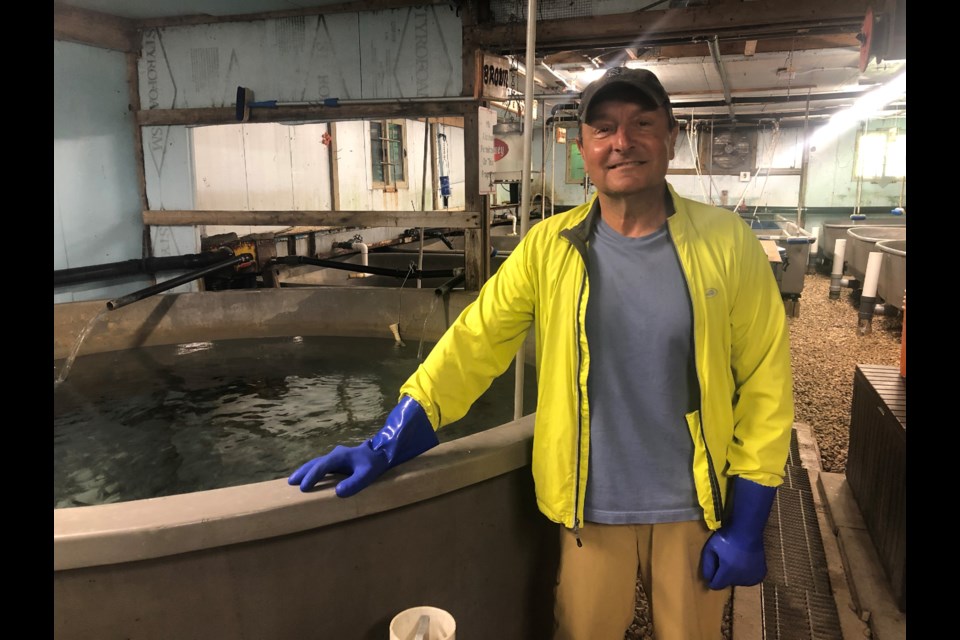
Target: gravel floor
<point x="826" y="346"/>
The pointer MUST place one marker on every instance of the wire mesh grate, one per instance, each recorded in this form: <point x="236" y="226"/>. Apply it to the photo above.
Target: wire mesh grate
<point x="798" y="602"/>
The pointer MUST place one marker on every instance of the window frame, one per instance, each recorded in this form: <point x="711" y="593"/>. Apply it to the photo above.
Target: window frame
<point x="388" y="182"/>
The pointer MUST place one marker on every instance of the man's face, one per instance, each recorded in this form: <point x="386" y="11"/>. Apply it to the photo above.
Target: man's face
<point x="626" y="148"/>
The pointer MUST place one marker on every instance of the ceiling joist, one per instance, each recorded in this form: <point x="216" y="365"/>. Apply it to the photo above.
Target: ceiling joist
<point x="93" y="28"/>
<point x="726" y="19"/>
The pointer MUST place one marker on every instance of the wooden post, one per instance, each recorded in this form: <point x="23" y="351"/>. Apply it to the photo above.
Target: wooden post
<point x="476" y="242"/>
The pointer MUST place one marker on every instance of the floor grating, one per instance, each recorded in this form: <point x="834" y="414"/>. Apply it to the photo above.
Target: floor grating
<point x="797" y="600"/>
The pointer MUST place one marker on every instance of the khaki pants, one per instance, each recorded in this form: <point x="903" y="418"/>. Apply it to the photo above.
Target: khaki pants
<point x="596" y="583"/>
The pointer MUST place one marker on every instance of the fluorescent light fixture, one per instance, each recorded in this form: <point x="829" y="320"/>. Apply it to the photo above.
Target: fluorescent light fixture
<point x="586" y="77"/>
<point x="865" y="106"/>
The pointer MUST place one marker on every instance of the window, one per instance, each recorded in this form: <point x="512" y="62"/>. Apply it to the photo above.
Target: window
<point x="387" y="155"/>
<point x="882" y="154"/>
<point x="575" y="169"/>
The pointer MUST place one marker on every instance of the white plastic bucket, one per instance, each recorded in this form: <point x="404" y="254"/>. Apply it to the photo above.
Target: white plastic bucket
<point x="442" y="626"/>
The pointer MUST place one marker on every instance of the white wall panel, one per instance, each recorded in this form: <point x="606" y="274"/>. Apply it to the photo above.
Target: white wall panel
<point x="411" y="52"/>
<point x="168" y="169"/>
<point x="310" y="160"/>
<point x="219" y="167"/>
<point x="353" y="165"/>
<point x="295" y="59"/>
<point x="408" y="52"/>
<point x="266" y="151"/>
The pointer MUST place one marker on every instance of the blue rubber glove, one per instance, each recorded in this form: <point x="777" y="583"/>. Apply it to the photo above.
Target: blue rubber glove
<point x="734" y="554"/>
<point x="406" y="434"/>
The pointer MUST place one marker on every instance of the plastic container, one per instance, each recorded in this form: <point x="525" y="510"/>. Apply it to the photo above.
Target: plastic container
<point x="441" y="625"/>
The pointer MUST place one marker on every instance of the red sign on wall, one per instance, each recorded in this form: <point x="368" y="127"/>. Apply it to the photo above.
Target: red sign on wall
<point x="500" y="149"/>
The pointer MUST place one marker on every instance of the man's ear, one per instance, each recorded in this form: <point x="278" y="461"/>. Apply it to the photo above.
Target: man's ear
<point x="673" y="140"/>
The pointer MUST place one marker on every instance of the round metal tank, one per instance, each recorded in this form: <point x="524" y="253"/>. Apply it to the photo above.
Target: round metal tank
<point x="893" y="272"/>
<point x="861" y="241"/>
<point x="834" y="229"/>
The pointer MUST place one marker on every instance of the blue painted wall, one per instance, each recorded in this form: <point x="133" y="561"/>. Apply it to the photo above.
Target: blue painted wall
<point x="96" y="209"/>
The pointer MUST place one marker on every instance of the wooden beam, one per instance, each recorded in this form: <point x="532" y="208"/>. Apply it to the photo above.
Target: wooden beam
<point x="723" y="18"/>
<point x="342" y="7"/>
<point x="762" y="172"/>
<point x="72" y="24"/>
<point x="476" y="242"/>
<point x="133" y="93"/>
<point x="313" y="113"/>
<point x="403" y="219"/>
<point x="736" y="47"/>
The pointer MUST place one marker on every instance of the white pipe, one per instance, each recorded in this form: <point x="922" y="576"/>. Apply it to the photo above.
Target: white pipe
<point x="868" y="295"/>
<point x="525" y="175"/>
<point x="872" y="276"/>
<point x="513" y="219"/>
<point x="839" y="248"/>
<point x="836" y="273"/>
<point x="364" y="252"/>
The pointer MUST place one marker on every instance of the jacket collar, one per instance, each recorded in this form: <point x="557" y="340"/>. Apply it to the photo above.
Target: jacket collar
<point x="579" y="233"/>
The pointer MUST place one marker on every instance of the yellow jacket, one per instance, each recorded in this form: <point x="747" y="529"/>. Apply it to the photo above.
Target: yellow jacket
<point x="741" y="346"/>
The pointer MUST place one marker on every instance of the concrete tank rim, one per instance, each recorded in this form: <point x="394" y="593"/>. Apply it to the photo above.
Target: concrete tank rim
<point x="862" y="232"/>
<point x="887" y="246"/>
<point x="840" y="223"/>
<point x="158" y="527"/>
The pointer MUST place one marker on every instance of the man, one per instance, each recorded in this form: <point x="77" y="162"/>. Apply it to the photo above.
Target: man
<point x="664" y="402"/>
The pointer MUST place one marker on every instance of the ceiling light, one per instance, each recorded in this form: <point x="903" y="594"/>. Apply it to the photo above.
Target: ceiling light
<point x="864" y="107"/>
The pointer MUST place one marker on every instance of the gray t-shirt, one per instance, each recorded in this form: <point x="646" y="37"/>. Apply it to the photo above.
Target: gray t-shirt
<point x="642" y="382"/>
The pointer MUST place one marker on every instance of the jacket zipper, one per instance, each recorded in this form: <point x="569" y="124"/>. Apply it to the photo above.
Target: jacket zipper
<point x="714" y="483"/>
<point x="576" y="486"/>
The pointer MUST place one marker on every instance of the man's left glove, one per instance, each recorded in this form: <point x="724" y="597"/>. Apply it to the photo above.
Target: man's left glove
<point x="734" y="554"/>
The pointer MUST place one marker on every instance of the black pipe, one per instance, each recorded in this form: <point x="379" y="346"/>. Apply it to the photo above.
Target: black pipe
<point x="377" y="271"/>
<point x="107" y="271"/>
<point x="176" y="282"/>
<point x="445" y="288"/>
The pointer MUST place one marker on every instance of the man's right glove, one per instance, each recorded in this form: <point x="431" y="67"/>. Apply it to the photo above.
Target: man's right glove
<point x="406" y="434"/>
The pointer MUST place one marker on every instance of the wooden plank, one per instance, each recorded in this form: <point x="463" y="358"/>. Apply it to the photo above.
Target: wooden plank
<point x="400" y="108"/>
<point x="93" y="28"/>
<point x="446" y="219"/>
<point x="133" y="94"/>
<point x="772" y="251"/>
<point x="476" y="242"/>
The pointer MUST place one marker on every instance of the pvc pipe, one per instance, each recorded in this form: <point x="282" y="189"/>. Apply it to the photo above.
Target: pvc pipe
<point x="364" y="252"/>
<point x="513" y="219"/>
<point x="525" y="176"/>
<point x="868" y="296"/>
<point x="836" y="273"/>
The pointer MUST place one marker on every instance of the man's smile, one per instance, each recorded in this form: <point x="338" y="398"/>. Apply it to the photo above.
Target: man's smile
<point x="629" y="163"/>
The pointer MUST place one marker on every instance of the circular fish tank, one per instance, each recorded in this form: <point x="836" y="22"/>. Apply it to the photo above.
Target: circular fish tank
<point x="861" y="241"/>
<point x="892" y="285"/>
<point x="456" y="527"/>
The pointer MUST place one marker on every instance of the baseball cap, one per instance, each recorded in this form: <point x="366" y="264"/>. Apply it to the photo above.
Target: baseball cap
<point x="641" y="80"/>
